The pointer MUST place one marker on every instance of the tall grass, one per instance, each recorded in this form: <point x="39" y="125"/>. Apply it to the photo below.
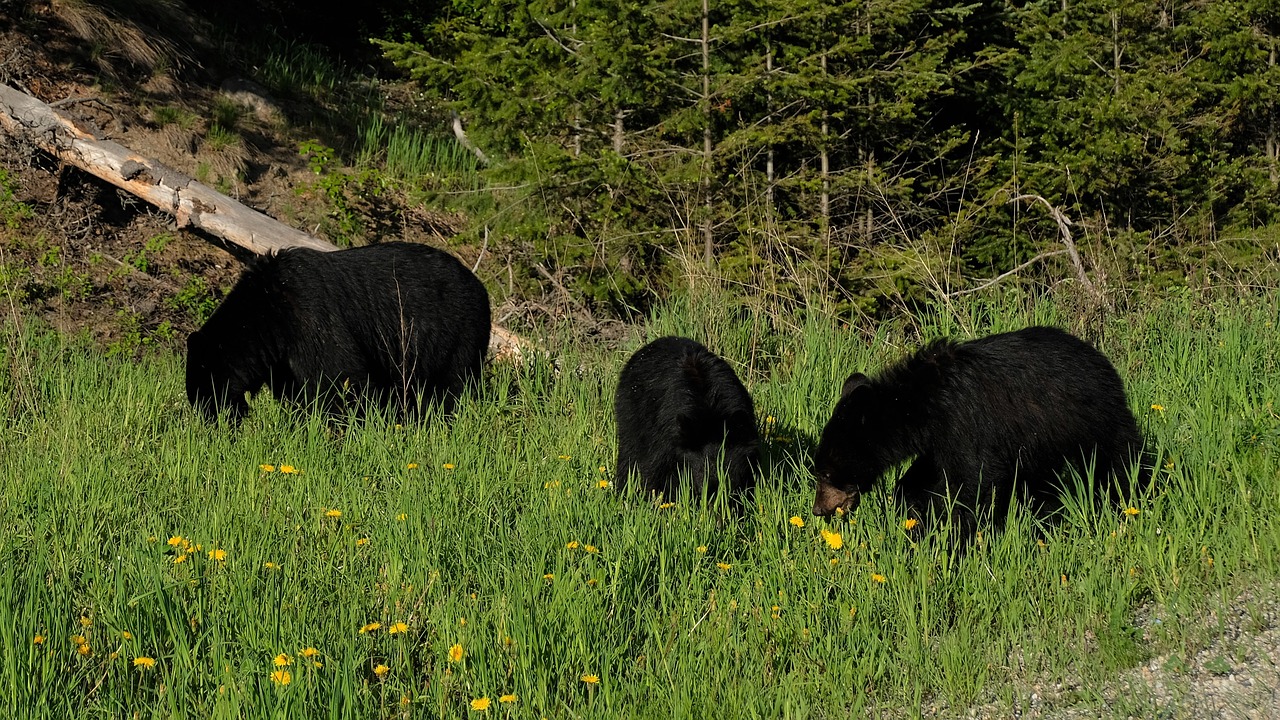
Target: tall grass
<point x="409" y="154"/>
<point x="492" y="532"/>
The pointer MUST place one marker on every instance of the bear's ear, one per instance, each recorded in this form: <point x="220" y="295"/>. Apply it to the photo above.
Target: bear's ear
<point x="855" y="381"/>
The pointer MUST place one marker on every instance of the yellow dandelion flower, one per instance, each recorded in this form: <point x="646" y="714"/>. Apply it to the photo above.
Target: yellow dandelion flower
<point x="835" y="560"/>
<point x="126" y="635"/>
<point x="853" y="611"/>
<point x="370" y="627"/>
<point x="78" y="640"/>
<point x="508" y="698"/>
<point x="572" y="545"/>
<point x="175" y="541"/>
<point x="463" y="621"/>
<point x="591" y="549"/>
<point x="1040" y="544"/>
<point x="1131" y="511"/>
<point x="910" y="523"/>
<point x="404" y="700"/>
<point x="85" y="622"/>
<point x="288" y="469"/>
<point x="84" y="649"/>
<point x="702" y="549"/>
<point x="769" y="420"/>
<point x="602" y="483"/>
<point x="38" y="640"/>
<point x="550" y="485"/>
<point x="333" y="513"/>
<point x="723" y="565"/>
<point x="282" y="660"/>
<point x="362" y="542"/>
<point x="114" y="654"/>
<point x="267" y="468"/>
<point x="151" y="538"/>
<point x="878" y="578"/>
<point x="180" y="559"/>
<point x="412" y="466"/>
<point x="833" y="539"/>
<point x="592" y="582"/>
<point x="565" y="457"/>
<point x="144" y="662"/>
<point x="218" y="554"/>
<point x="480" y="704"/>
<point x="269" y="565"/>
<point x="402" y="517"/>
<point x="796" y="520"/>
<point x="448" y="466"/>
<point x="397" y="628"/>
<point x="308" y="652"/>
<point x="1064" y="579"/>
<point x="1158" y="408"/>
<point x="281" y="677"/>
<point x="666" y="505"/>
<point x="456" y="653"/>
<point x="317" y="664"/>
<point x="591" y="679"/>
<point x="381" y="670"/>
<point x="549" y="576"/>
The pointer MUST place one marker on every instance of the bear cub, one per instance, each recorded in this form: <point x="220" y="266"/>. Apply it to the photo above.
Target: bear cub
<point x="981" y="417"/>
<point x="395" y="324"/>
<point x="683" y="413"/>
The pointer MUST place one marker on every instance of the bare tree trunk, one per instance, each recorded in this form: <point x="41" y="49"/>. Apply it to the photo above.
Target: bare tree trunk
<point x="1272" y="150"/>
<point x="1115" y="49"/>
<point x="768" y="161"/>
<point x="619" y="131"/>
<point x="824" y="200"/>
<point x="707" y="240"/>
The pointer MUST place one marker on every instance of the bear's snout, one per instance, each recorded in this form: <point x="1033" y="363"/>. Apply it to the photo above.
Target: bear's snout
<point x="831" y="498"/>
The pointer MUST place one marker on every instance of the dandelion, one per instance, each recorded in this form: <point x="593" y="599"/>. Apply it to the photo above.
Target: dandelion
<point x="910" y="523"/>
<point x="282" y="660"/>
<point x="549" y="485"/>
<point x="175" y="541"/>
<point x="702" y="549"/>
<point x="270" y="565"/>
<point x="1168" y="465"/>
<point x="381" y="670"/>
<point x="591" y="679"/>
<point x="281" y="677"/>
<point x="402" y="517"/>
<point x="1158" y="408"/>
<point x="565" y="457"/>
<point x="463" y="621"/>
<point x="508" y="698"/>
<point x="180" y="559"/>
<point x="602" y="484"/>
<point x="333" y="513"/>
<point x="572" y="545"/>
<point x="362" y="542"/>
<point x="834" y="561"/>
<point x="769" y="420"/>
<point x="85" y="622"/>
<point x="666" y="505"/>
<point x="412" y="466"/>
<point x="267" y="468"/>
<point x="456" y="653"/>
<point x="404" y="700"/>
<point x="797" y="521"/>
<point x="448" y="466"/>
<point x="308" y="652"/>
<point x="592" y="582"/>
<point x="218" y="554"/>
<point x="288" y="469"/>
<point x="723" y="565"/>
<point x="145" y="663"/>
<point x="126" y="635"/>
<point x="84" y="650"/>
<point x="1131" y="511"/>
<point x="38" y="640"/>
<point x="398" y="628"/>
<point x="833" y="539"/>
<point x="370" y="627"/>
<point x="549" y="576"/>
<point x="591" y="549"/>
<point x="78" y="640"/>
<point x="480" y="704"/>
<point x="878" y="578"/>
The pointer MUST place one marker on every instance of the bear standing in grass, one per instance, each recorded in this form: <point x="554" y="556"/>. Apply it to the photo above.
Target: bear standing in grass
<point x="979" y="417"/>
<point x="683" y="412"/>
<point x="396" y="324"/>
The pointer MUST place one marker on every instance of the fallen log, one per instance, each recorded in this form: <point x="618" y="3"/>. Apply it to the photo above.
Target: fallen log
<point x="192" y="203"/>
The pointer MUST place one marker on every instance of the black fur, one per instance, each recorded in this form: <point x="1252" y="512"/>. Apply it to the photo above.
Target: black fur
<point x="974" y="414"/>
<point x="680" y="408"/>
<point x="394" y="323"/>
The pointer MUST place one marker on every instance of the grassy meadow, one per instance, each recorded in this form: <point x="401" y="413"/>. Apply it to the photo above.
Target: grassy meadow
<point x="154" y="565"/>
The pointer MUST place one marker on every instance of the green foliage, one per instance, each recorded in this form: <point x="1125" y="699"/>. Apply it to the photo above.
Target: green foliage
<point x="131" y="523"/>
<point x="12" y="212"/>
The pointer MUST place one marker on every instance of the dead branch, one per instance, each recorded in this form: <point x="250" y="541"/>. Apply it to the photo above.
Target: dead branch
<point x="1064" y="232"/>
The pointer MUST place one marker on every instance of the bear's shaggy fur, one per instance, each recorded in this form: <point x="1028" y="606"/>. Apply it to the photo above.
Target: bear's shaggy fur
<point x="395" y="324"/>
<point x="979" y="417"/>
<point x="683" y="413"/>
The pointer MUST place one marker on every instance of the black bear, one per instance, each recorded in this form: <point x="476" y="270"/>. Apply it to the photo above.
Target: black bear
<point x="681" y="410"/>
<point x="979" y="417"/>
<point x="394" y="324"/>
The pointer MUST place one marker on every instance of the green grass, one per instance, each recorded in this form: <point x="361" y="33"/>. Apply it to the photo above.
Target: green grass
<point x="102" y="462"/>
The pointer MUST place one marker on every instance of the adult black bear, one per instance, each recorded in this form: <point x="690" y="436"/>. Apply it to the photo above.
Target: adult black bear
<point x="394" y="323"/>
<point x="977" y="417"/>
<point x="681" y="410"/>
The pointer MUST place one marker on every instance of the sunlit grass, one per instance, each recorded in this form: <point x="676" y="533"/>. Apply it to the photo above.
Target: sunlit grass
<point x="295" y="568"/>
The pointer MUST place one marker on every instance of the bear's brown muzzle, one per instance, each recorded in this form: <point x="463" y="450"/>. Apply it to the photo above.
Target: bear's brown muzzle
<point x="830" y="498"/>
